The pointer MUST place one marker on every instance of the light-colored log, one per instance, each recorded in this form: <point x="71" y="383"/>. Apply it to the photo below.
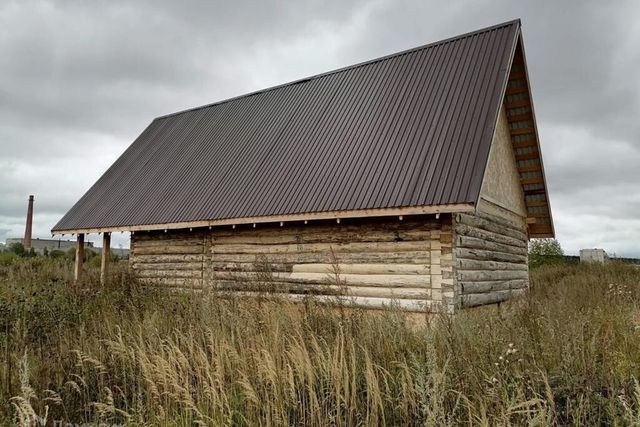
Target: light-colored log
<point x="470" y="264"/>
<point x="396" y="280"/>
<point x="311" y="289"/>
<point x="78" y="268"/>
<point x="362" y="268"/>
<point x="484" y="275"/>
<point x="105" y="258"/>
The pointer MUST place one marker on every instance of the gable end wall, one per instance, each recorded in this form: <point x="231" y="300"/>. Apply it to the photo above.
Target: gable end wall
<point x="490" y="245"/>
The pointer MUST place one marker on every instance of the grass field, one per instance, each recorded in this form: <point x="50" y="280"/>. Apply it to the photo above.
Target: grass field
<point x="568" y="353"/>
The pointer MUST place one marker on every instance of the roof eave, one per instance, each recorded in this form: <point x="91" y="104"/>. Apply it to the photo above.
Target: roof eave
<point x="312" y="216"/>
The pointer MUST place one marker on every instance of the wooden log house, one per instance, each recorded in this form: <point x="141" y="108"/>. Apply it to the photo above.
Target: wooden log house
<point x="415" y="178"/>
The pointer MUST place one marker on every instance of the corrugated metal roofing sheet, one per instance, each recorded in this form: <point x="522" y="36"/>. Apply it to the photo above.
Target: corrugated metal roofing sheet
<point x="409" y="129"/>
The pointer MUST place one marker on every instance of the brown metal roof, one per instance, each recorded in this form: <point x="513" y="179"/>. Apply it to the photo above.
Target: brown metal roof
<point x="410" y="129"/>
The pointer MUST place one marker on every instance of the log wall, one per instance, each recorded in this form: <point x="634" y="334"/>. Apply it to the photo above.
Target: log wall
<point x="490" y="255"/>
<point x="371" y="262"/>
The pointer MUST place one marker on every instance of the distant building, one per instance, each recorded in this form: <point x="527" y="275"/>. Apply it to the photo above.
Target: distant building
<point x="593" y="255"/>
<point x="39" y="246"/>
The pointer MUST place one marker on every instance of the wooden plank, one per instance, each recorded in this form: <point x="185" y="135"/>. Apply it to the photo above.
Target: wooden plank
<point x="522" y="131"/>
<point x="517" y="104"/>
<point x="516" y="90"/>
<point x="520" y="117"/>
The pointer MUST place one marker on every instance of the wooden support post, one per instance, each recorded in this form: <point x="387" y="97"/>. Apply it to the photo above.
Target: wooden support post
<point x="79" y="257"/>
<point x="106" y="257"/>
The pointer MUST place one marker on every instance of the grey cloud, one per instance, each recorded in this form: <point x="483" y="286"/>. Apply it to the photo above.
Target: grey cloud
<point x="82" y="79"/>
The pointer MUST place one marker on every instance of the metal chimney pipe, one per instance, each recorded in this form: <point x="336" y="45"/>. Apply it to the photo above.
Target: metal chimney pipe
<point x="26" y="242"/>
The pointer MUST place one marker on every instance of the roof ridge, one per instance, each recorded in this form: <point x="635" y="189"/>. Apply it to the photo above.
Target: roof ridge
<point x="348" y="67"/>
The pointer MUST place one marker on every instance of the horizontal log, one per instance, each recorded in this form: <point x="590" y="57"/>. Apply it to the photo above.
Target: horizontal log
<point x="480" y="254"/>
<point x="492" y="285"/>
<point x="357" y="247"/>
<point x="408" y="257"/>
<point x="466" y="230"/>
<point x="359" y="291"/>
<point x="249" y="266"/>
<point x="470" y="264"/>
<point x="164" y="258"/>
<point x="475" y="243"/>
<point x="153" y="273"/>
<point x="396" y="280"/>
<point x="485" y="275"/>
<point x="501" y="216"/>
<point x="354" y="234"/>
<point x="362" y="268"/>
<point x="168" y="250"/>
<point x="142" y="236"/>
<point x="179" y="282"/>
<point x="167" y="265"/>
<point x="170" y="242"/>
<point x="414" y="305"/>
<point x="417" y="305"/>
<point x="486" y="224"/>
<point x="474" y="300"/>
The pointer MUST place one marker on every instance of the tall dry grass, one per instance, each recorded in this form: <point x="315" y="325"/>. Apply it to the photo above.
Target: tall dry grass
<point x="568" y="353"/>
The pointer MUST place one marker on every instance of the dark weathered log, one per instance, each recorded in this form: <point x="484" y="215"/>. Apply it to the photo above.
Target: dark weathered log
<point x="466" y="230"/>
<point x="484" y="275"/>
<point x="491" y="286"/>
<point x="474" y="300"/>
<point x="475" y="243"/>
<point x="470" y="264"/>
<point x="486" y="224"/>
<point x="481" y="254"/>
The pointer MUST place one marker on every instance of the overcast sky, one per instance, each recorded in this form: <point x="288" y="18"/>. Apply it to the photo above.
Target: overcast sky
<point x="80" y="80"/>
